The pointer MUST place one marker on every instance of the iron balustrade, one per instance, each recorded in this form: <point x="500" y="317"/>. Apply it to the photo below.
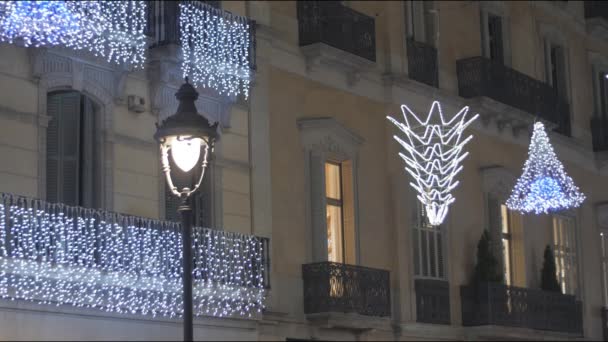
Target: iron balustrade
<point x="422" y="62"/>
<point x="432" y="301"/>
<point x="595" y="9"/>
<point x="163" y="24"/>
<point x="100" y="249"/>
<point x="605" y="323"/>
<point x="498" y="304"/>
<point x="599" y="131"/>
<point x="343" y="28"/>
<point x="480" y="76"/>
<point x="336" y="287"/>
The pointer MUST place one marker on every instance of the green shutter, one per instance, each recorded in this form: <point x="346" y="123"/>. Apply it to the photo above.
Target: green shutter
<point x="63" y="147"/>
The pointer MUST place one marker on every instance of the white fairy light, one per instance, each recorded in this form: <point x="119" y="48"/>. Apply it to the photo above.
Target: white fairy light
<point x="215" y="48"/>
<point x="55" y="254"/>
<point x="111" y="29"/>
<point x="435" y="154"/>
<point x="544" y="186"/>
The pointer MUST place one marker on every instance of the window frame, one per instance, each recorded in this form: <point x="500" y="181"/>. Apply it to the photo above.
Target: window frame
<point x="572" y="257"/>
<point x="419" y="254"/>
<point x="339" y="203"/>
<point x="496" y="9"/>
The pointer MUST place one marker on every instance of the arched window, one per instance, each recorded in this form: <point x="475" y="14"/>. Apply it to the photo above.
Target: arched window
<point x="73" y="149"/>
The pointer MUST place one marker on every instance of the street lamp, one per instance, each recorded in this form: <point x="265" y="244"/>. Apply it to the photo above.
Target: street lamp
<point x="186" y="135"/>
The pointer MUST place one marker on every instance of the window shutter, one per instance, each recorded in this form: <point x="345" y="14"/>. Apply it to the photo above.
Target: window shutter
<point x="88" y="155"/>
<point x="560" y="66"/>
<point x="70" y="148"/>
<point x="202" y="201"/>
<point x="52" y="148"/>
<point x="429" y="22"/>
<point x="496" y="39"/>
<point x="603" y="94"/>
<point x="495" y="228"/>
<point x="63" y="147"/>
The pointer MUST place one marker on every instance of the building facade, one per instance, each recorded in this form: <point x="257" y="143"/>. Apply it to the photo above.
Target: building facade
<point x="308" y="161"/>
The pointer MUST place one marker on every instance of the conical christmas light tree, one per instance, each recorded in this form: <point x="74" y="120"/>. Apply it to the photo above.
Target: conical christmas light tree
<point x="544" y="186"/>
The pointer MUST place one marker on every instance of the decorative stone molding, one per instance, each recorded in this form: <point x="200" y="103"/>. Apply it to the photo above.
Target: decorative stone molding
<point x="353" y="66"/>
<point x="60" y="68"/>
<point x="498" y="181"/>
<point x="504" y="117"/>
<point x="164" y="73"/>
<point x="325" y="139"/>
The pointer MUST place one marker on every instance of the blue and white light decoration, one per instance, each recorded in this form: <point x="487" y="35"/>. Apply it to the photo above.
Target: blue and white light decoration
<point x="215" y="48"/>
<point x="435" y="153"/>
<point x="544" y="186"/>
<point x="60" y="255"/>
<point x="111" y="29"/>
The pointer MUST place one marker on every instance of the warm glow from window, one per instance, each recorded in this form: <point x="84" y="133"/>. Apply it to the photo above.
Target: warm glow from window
<point x="564" y="249"/>
<point x="333" y="192"/>
<point x="506" y="243"/>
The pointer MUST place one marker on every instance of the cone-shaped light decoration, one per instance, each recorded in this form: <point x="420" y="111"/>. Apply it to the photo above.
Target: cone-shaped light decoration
<point x="544" y="186"/>
<point x="435" y="152"/>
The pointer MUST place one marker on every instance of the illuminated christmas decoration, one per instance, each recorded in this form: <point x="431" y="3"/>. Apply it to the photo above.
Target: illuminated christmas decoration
<point x="215" y="48"/>
<point x="55" y="254"/>
<point x="435" y="154"/>
<point x="544" y="186"/>
<point x="111" y="29"/>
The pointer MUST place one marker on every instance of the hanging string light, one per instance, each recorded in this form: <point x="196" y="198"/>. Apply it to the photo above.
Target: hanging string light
<point x="435" y="154"/>
<point x="544" y="186"/>
<point x="215" y="48"/>
<point x="56" y="254"/>
<point x="111" y="29"/>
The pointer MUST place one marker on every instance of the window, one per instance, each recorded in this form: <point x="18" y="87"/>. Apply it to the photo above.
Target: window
<point x="72" y="150"/>
<point x="604" y="251"/>
<point x="564" y="247"/>
<point x="421" y="21"/>
<point x="506" y="244"/>
<point x="556" y="69"/>
<point x="602" y="94"/>
<point x="340" y="232"/>
<point x="428" y="247"/>
<point x="495" y="34"/>
<point x="201" y="201"/>
<point x="495" y="38"/>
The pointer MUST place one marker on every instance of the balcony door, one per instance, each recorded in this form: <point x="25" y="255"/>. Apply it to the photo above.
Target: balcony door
<point x="340" y="224"/>
<point x="73" y="171"/>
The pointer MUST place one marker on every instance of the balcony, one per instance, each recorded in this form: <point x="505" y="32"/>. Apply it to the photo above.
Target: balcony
<point x="343" y="28"/>
<point x="422" y="62"/>
<point x="605" y="323"/>
<point x="51" y="253"/>
<point x="501" y="305"/>
<point x="163" y="25"/>
<point x="481" y="77"/>
<point x="339" y="288"/>
<point x="432" y="301"/>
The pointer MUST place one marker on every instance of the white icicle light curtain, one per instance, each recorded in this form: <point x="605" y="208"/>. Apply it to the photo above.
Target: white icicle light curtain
<point x="215" y="48"/>
<point x="55" y="254"/>
<point x="111" y="29"/>
<point x="544" y="186"/>
<point x="435" y="153"/>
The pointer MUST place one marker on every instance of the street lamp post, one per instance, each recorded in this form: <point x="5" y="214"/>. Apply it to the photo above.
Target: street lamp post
<point x="189" y="138"/>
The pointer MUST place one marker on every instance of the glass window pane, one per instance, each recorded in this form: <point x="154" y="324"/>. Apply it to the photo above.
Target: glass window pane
<point x="334" y="234"/>
<point x="416" y="242"/>
<point x="507" y="260"/>
<point x="425" y="253"/>
<point x="332" y="181"/>
<point x="504" y="214"/>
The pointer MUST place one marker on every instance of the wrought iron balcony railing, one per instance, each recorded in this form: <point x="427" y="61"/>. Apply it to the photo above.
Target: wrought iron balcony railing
<point x="335" y="287"/>
<point x="53" y="253"/>
<point x="599" y="130"/>
<point x="596" y="9"/>
<point x="432" y="301"/>
<point x="338" y="26"/>
<point x="605" y="323"/>
<point x="498" y="304"/>
<point x="163" y="25"/>
<point x="422" y="62"/>
<point x="480" y="76"/>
